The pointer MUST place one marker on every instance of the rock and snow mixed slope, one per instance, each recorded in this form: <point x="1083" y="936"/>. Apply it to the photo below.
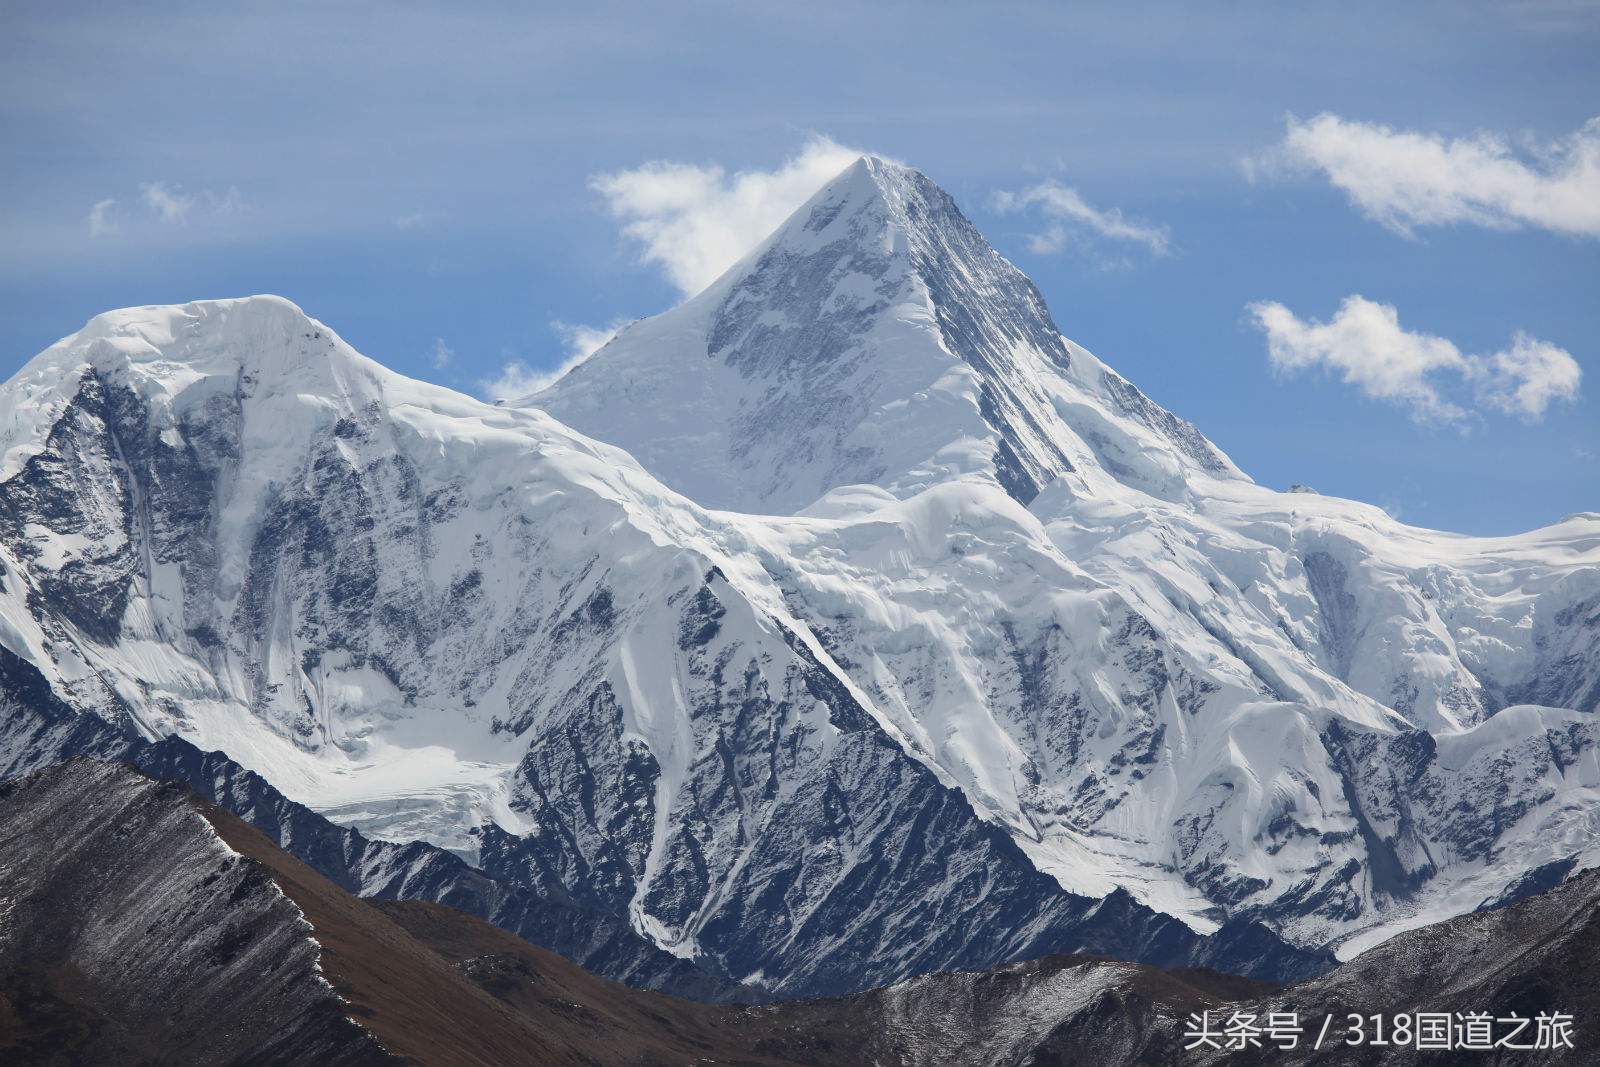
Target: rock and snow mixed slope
<point x="1531" y="958"/>
<point x="37" y="731"/>
<point x="978" y="623"/>
<point x="145" y="924"/>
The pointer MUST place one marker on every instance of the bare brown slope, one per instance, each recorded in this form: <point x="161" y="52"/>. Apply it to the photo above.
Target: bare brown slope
<point x="956" y="1018"/>
<point x="442" y="988"/>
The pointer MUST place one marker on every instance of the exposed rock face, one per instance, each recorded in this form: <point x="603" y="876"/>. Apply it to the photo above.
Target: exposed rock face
<point x="1527" y="959"/>
<point x="130" y="929"/>
<point x="144" y="925"/>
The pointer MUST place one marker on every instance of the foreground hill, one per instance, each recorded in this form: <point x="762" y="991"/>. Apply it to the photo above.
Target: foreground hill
<point x="171" y="931"/>
<point x="145" y="924"/>
<point x="133" y="934"/>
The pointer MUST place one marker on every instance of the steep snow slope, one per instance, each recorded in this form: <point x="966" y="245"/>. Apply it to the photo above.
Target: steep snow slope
<point x="1155" y="673"/>
<point x="429" y="617"/>
<point x="1142" y="695"/>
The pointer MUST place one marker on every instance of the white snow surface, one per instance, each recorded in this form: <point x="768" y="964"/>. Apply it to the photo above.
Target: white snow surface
<point x="1066" y="602"/>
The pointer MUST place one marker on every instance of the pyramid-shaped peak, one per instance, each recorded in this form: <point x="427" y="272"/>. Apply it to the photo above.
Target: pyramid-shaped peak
<point x="887" y="179"/>
<point x="876" y="176"/>
<point x="864" y="201"/>
<point x="875" y="337"/>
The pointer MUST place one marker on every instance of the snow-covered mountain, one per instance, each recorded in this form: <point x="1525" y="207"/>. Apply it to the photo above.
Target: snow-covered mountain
<point x="428" y="617"/>
<point x="1155" y="673"/>
<point x="978" y="634"/>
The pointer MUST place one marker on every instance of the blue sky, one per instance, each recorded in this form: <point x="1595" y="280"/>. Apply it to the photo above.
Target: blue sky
<point x="424" y="181"/>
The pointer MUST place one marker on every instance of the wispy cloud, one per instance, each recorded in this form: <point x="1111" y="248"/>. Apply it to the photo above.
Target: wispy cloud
<point x="584" y="341"/>
<point x="516" y="379"/>
<point x="99" y="218"/>
<point x="442" y="355"/>
<point x="1404" y="179"/>
<point x="1367" y="347"/>
<point x="228" y="202"/>
<point x="1069" y="219"/>
<point x="169" y="203"/>
<point x="697" y="221"/>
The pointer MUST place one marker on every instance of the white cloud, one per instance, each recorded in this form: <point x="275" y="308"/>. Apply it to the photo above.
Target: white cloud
<point x="517" y="379"/>
<point x="1069" y="215"/>
<point x="1404" y="179"/>
<point x="167" y="201"/>
<point x="697" y="221"/>
<point x="442" y="354"/>
<point x="99" y="218"/>
<point x="1365" y="345"/>
<point x="1528" y="377"/>
<point x="410" y="222"/>
<point x="584" y="341"/>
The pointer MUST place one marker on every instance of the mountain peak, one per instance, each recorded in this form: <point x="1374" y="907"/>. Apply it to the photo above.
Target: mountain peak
<point x="882" y="205"/>
<point x="258" y="335"/>
<point x="262" y="346"/>
<point x="188" y="332"/>
<point x="875" y="337"/>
